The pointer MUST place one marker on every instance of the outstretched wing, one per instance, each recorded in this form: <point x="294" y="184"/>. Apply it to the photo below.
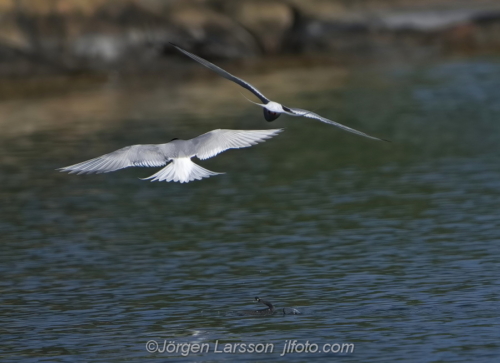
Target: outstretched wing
<point x="217" y="141"/>
<point x="309" y="114"/>
<point x="135" y="155"/>
<point x="224" y="74"/>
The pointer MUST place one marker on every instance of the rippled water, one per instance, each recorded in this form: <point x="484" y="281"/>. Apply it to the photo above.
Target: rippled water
<point x="391" y="247"/>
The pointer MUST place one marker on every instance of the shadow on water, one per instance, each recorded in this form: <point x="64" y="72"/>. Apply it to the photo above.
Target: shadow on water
<point x="391" y="247"/>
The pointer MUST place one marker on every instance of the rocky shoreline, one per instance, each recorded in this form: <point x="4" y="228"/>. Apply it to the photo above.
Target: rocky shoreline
<point x="71" y="36"/>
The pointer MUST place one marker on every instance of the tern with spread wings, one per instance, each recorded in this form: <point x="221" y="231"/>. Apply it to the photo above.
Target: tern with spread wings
<point x="176" y="155"/>
<point x="272" y="110"/>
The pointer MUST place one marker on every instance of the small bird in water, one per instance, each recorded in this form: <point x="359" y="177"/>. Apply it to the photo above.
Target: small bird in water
<point x="272" y="110"/>
<point x="270" y="310"/>
<point x="176" y="155"/>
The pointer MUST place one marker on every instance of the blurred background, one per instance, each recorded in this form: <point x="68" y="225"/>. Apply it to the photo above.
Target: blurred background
<point x="391" y="246"/>
<point x="62" y="36"/>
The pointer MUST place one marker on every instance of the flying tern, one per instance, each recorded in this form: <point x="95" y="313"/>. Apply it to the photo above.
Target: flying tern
<point x="176" y="155"/>
<point x="272" y="110"/>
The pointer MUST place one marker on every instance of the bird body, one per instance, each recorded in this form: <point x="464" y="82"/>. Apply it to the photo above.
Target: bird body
<point x="274" y="107"/>
<point x="176" y="155"/>
<point x="181" y="170"/>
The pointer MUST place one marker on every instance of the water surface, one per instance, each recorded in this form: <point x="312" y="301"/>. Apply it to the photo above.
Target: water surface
<point x="393" y="247"/>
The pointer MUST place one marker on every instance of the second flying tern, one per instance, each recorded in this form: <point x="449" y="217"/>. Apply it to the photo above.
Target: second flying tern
<point x="272" y="110"/>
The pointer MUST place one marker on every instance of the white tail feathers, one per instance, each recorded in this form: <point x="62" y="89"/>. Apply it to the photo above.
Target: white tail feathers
<point x="181" y="170"/>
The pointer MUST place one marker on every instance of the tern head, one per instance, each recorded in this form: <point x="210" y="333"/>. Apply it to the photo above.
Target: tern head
<point x="272" y="110"/>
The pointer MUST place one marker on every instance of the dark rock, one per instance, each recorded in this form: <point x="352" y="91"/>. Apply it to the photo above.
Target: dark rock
<point x="133" y="35"/>
<point x="209" y="33"/>
<point x="268" y="20"/>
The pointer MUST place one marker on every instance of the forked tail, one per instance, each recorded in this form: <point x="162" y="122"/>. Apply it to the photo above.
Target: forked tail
<point x="181" y="170"/>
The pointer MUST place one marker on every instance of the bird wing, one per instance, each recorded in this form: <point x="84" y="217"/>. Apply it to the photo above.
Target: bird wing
<point x="135" y="155"/>
<point x="224" y="74"/>
<point x="217" y="141"/>
<point x="309" y="114"/>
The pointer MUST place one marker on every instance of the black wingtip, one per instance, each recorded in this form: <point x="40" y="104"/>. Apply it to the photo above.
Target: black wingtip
<point x="176" y="46"/>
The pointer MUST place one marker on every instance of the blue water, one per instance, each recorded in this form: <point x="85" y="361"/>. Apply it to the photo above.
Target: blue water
<point x="393" y="247"/>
